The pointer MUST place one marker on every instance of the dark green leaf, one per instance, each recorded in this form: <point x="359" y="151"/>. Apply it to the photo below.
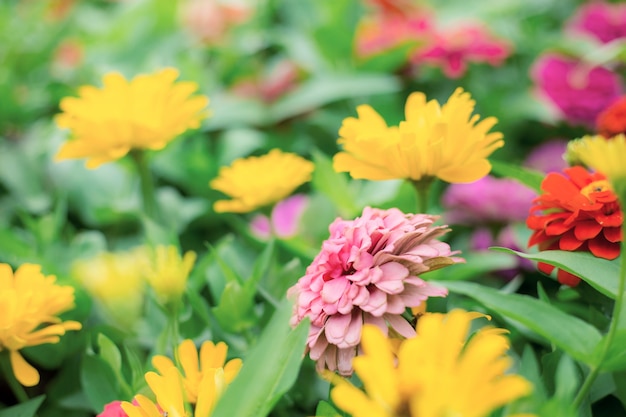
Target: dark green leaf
<point x="601" y="274"/>
<point x="99" y="382"/>
<point x="574" y="336"/>
<point x="526" y="176"/>
<point x="269" y="370"/>
<point x="325" y="409"/>
<point x="27" y="409"/>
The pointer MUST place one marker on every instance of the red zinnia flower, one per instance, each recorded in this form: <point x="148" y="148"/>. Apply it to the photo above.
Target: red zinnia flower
<point x="612" y="121"/>
<point x="577" y="211"/>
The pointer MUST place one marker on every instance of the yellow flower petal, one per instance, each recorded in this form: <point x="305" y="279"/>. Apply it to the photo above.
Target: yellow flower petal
<point x="24" y="372"/>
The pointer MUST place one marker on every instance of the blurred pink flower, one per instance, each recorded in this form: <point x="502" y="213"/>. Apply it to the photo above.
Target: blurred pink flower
<point x="579" y="93"/>
<point x="604" y="21"/>
<point x="285" y="219"/>
<point x="454" y="48"/>
<point x="270" y="85"/>
<point x="489" y="200"/>
<point x="113" y="409"/>
<point x="383" y="31"/>
<point x="210" y="20"/>
<point x="548" y="156"/>
<point x="367" y="272"/>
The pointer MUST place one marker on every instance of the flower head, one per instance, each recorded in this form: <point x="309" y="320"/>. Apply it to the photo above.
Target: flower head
<point x="578" y="91"/>
<point x="205" y="380"/>
<point x="367" y="272"/>
<point x="196" y="365"/>
<point x="454" y="48"/>
<point x="435" y="141"/>
<point x="258" y="181"/>
<point x="115" y="280"/>
<point x="113" y="409"/>
<point x="430" y="366"/>
<point x="147" y="112"/>
<point x="167" y="272"/>
<point x="612" y="121"/>
<point x="604" y="21"/>
<point x="30" y="303"/>
<point x="578" y="211"/>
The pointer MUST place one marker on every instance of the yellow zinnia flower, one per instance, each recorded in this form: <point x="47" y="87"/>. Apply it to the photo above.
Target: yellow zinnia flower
<point x="167" y="272"/>
<point x="605" y="155"/>
<point x="258" y="181"/>
<point x="446" y="142"/>
<point x="212" y="357"/>
<point x="205" y="380"/>
<point x="145" y="113"/>
<point x="436" y="373"/>
<point x="115" y="280"/>
<point x="29" y="307"/>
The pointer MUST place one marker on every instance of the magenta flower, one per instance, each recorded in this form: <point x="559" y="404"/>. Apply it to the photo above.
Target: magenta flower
<point x="487" y="201"/>
<point x="579" y="93"/>
<point x="455" y="48"/>
<point x="284" y="221"/>
<point x="603" y="21"/>
<point x="367" y="272"/>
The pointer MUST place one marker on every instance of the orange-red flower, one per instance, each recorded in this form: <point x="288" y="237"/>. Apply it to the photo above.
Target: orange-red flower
<point x="612" y="121"/>
<point x="577" y="211"/>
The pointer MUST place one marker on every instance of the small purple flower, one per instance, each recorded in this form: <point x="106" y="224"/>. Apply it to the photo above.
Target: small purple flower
<point x="487" y="201"/>
<point x="286" y="217"/>
<point x="578" y="92"/>
<point x="603" y="21"/>
<point x="548" y="157"/>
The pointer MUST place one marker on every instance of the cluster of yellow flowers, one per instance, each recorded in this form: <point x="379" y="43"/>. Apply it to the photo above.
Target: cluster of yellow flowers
<point x="205" y="378"/>
<point x="436" y="373"/>
<point x="117" y="279"/>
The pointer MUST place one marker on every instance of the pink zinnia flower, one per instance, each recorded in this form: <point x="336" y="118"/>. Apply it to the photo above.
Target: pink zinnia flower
<point x="579" y="93"/>
<point x="271" y="84"/>
<point x="367" y="272"/>
<point x="210" y="20"/>
<point x="454" y="48"/>
<point x="604" y="21"/>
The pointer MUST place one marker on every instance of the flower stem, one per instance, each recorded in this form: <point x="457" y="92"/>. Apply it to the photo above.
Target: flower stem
<point x="7" y="370"/>
<point x="148" y="196"/>
<point x="608" y="340"/>
<point x="422" y="189"/>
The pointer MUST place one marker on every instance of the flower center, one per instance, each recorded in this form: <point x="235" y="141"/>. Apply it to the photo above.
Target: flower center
<point x="596" y="187"/>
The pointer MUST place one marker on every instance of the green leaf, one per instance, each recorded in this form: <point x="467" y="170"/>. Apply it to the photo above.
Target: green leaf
<point x="333" y="184"/>
<point x="601" y="274"/>
<point x="112" y="355"/>
<point x="317" y="92"/>
<point x="269" y="370"/>
<point x="574" y="336"/>
<point x="99" y="382"/>
<point x="234" y="311"/>
<point x="26" y="409"/>
<point x="476" y="264"/>
<point x="567" y="378"/>
<point x="325" y="409"/>
<point x="526" y="176"/>
<point x="261" y="267"/>
<point x="615" y="359"/>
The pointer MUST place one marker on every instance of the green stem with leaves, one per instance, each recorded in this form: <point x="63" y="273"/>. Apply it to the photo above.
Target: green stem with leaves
<point x="422" y="189"/>
<point x="610" y="336"/>
<point x="148" y="195"/>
